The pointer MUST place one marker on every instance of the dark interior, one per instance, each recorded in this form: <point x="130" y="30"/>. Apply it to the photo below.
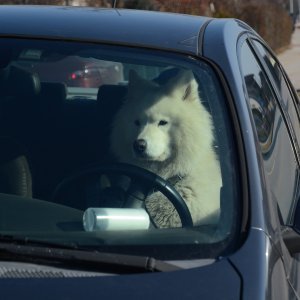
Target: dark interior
<point x="44" y="137"/>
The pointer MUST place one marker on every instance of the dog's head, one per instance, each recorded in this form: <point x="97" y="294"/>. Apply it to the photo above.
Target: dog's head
<point x="149" y="123"/>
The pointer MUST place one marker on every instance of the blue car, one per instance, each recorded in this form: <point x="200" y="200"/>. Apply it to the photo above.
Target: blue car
<point x="98" y="200"/>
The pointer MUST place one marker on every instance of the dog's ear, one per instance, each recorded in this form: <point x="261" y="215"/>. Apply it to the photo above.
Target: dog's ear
<point x="184" y="85"/>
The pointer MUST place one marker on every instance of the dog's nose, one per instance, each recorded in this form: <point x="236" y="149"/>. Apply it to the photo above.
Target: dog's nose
<point x="140" y="145"/>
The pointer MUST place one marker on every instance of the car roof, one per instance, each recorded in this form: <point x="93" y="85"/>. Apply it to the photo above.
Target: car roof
<point x="161" y="30"/>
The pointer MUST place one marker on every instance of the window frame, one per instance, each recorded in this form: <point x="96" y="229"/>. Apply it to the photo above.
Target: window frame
<point x="229" y="243"/>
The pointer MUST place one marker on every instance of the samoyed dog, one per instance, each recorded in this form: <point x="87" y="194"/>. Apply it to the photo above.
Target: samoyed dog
<point x="165" y="129"/>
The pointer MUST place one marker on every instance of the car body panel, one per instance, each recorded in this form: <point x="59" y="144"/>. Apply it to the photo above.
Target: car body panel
<point x="192" y="282"/>
<point x="163" y="32"/>
<point x="265" y="224"/>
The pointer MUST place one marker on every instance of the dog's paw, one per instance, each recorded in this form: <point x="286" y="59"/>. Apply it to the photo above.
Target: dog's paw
<point x="162" y="211"/>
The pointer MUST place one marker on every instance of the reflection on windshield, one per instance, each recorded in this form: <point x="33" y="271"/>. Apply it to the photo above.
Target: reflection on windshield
<point x="114" y="148"/>
<point x="263" y="109"/>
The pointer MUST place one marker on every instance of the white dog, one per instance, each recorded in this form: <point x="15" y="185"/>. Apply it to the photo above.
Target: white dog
<point x="166" y="129"/>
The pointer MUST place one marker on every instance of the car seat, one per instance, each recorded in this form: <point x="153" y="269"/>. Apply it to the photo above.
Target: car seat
<point x="15" y="175"/>
<point x="109" y="100"/>
<point x="19" y="90"/>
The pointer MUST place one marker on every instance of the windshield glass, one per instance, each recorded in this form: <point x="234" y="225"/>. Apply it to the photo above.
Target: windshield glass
<point x="115" y="148"/>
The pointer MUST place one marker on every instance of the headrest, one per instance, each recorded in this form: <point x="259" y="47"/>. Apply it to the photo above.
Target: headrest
<point x="52" y="97"/>
<point x="109" y="91"/>
<point x="5" y="57"/>
<point x="20" y="82"/>
<point x="110" y="97"/>
<point x="54" y="90"/>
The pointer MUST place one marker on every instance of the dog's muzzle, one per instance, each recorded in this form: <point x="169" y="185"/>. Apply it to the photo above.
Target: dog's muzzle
<point x="140" y="146"/>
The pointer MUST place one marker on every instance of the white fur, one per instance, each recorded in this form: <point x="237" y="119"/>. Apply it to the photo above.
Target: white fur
<point x="183" y="146"/>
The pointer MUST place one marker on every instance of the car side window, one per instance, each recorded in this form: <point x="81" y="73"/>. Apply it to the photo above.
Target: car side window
<point x="289" y="101"/>
<point x="272" y="133"/>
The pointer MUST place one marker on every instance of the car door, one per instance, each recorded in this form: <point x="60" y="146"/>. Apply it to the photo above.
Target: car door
<point x="287" y="96"/>
<point x="275" y="122"/>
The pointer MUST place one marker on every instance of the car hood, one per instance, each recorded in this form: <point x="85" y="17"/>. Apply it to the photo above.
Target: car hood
<point x="218" y="280"/>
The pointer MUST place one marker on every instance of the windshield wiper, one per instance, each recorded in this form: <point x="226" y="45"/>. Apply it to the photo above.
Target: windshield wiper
<point x="43" y="252"/>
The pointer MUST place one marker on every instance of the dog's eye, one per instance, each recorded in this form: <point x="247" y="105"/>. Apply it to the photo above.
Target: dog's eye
<point x="137" y="122"/>
<point x="162" y="122"/>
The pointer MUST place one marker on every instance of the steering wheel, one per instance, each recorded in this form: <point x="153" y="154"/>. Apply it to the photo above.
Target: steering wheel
<point x="138" y="177"/>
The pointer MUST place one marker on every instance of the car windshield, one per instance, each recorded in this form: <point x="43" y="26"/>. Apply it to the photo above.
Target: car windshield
<point x="115" y="148"/>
